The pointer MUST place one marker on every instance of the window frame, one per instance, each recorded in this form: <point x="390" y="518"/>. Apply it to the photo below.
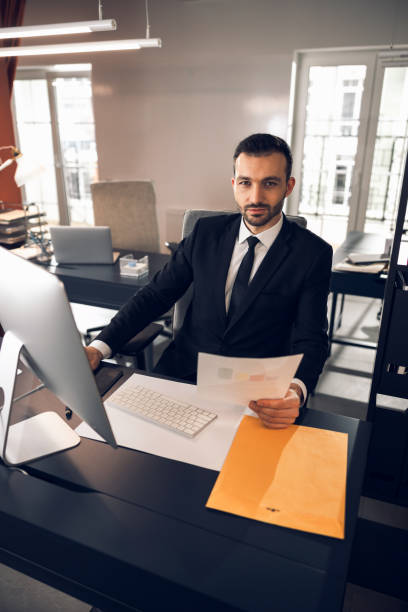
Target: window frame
<point x="49" y="74"/>
<point x="376" y="59"/>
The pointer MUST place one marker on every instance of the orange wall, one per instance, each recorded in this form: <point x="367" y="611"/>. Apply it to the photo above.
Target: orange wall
<point x="9" y="192"/>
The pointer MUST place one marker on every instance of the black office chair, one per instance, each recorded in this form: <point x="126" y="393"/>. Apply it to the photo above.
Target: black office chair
<point x="138" y="350"/>
<point x="142" y="340"/>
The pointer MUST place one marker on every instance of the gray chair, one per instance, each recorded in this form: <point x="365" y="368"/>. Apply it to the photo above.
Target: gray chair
<point x="129" y="209"/>
<point x="189" y="220"/>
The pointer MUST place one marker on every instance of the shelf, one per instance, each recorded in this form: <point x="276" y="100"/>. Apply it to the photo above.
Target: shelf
<point x="387" y="463"/>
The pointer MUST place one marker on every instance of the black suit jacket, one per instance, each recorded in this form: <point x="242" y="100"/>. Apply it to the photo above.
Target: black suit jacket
<point x="284" y="311"/>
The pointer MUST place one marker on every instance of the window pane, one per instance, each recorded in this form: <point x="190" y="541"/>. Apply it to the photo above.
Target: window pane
<point x="35" y="139"/>
<point x="330" y="146"/>
<point x="389" y="152"/>
<point x="77" y="136"/>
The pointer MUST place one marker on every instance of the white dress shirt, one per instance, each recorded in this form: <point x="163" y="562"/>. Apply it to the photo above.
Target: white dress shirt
<point x="266" y="240"/>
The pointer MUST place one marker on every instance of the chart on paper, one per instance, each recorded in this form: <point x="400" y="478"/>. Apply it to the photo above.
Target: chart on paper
<point x="238" y="380"/>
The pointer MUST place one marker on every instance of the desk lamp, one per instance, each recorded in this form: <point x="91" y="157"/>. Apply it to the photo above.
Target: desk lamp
<point x="15" y="154"/>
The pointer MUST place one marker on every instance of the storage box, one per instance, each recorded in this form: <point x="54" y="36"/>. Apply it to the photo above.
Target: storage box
<point x="134" y="267"/>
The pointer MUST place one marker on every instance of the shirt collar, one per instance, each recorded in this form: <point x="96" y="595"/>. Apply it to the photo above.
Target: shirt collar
<point x="267" y="237"/>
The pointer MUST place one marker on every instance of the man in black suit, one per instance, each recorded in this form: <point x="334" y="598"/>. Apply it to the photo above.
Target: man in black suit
<point x="260" y="285"/>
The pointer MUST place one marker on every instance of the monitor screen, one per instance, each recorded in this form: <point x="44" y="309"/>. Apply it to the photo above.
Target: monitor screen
<point x="34" y="309"/>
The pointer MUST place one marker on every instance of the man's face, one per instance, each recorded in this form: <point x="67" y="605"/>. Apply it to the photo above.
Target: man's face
<point x="260" y="187"/>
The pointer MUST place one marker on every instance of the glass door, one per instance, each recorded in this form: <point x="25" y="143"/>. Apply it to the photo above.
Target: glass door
<point x="330" y="145"/>
<point x="76" y="142"/>
<point x="329" y="130"/>
<point x="34" y="134"/>
<point x="350" y="137"/>
<point x="55" y="128"/>
<point x="389" y="152"/>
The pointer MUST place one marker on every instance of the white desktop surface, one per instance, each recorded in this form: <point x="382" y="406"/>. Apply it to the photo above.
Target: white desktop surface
<point x="207" y="449"/>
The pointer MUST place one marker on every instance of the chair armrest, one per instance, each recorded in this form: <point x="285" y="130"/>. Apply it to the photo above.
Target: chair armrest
<point x="139" y="342"/>
<point x="172" y="246"/>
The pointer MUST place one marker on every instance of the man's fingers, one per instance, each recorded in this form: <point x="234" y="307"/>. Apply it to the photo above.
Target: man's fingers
<point x="278" y="404"/>
<point x="94" y="356"/>
<point x="275" y="413"/>
<point x="284" y="422"/>
<point x="276" y="425"/>
<point x="278" y="418"/>
<point x="254" y="406"/>
<point x="277" y="421"/>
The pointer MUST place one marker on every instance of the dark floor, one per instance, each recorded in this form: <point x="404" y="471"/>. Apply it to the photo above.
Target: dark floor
<point x="343" y="388"/>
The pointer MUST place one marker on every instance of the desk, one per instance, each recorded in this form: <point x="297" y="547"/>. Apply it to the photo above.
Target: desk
<point x="354" y="283"/>
<point x="125" y="530"/>
<point x="101" y="284"/>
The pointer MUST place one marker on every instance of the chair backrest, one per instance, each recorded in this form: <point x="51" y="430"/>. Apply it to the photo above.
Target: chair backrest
<point x="129" y="209"/>
<point x="189" y="220"/>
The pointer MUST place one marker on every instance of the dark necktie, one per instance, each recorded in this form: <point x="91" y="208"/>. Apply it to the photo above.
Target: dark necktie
<point x="242" y="279"/>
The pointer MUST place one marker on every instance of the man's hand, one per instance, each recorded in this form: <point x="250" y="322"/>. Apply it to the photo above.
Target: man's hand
<point x="277" y="413"/>
<point x="94" y="356"/>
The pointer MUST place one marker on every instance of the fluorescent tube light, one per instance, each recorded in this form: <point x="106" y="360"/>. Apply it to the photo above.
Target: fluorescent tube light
<point x="57" y="29"/>
<point x="82" y="47"/>
<point x="398" y="54"/>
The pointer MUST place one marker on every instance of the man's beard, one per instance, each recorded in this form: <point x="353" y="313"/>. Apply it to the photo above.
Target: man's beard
<point x="272" y="211"/>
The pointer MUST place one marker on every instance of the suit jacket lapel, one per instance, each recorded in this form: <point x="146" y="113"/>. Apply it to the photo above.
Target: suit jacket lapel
<point x="272" y="261"/>
<point x="223" y="256"/>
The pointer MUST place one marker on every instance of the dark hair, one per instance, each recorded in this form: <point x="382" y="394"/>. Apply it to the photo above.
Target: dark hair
<point x="265" y="144"/>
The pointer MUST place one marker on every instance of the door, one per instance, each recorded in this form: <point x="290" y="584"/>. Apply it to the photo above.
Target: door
<point x="55" y="131"/>
<point x="349" y="137"/>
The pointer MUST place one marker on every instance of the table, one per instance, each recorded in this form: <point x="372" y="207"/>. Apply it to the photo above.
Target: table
<point x="125" y="530"/>
<point x="354" y="283"/>
<point x="101" y="284"/>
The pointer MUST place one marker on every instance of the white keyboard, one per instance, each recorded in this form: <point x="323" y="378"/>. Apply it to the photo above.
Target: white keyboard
<point x="157" y="408"/>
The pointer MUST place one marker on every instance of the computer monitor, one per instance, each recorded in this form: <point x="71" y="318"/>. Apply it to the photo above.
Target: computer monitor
<point x="39" y="327"/>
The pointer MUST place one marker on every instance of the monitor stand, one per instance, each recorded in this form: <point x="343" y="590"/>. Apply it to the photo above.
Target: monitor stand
<point x="37" y="436"/>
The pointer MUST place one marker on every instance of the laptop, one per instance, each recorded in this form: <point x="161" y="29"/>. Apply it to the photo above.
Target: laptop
<point x="82" y="245"/>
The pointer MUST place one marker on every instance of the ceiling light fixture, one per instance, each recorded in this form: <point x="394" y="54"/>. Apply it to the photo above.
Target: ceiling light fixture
<point x="82" y="47"/>
<point x="57" y="29"/>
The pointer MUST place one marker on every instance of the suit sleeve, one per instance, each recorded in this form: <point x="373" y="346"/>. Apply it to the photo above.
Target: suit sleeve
<point x="154" y="299"/>
<point x="310" y="330"/>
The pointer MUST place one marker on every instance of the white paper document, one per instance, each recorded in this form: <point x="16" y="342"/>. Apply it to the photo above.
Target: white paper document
<point x="207" y="449"/>
<point x="238" y="380"/>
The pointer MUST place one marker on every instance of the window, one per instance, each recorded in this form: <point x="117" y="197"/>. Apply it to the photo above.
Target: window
<point x="349" y="139"/>
<point x="55" y="125"/>
<point x="389" y="150"/>
<point x="349" y="100"/>
<point x="34" y="134"/>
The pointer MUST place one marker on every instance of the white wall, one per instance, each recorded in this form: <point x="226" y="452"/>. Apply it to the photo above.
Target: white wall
<point x="175" y="114"/>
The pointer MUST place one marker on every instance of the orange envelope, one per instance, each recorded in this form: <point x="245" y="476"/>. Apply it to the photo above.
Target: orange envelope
<point x="294" y="477"/>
